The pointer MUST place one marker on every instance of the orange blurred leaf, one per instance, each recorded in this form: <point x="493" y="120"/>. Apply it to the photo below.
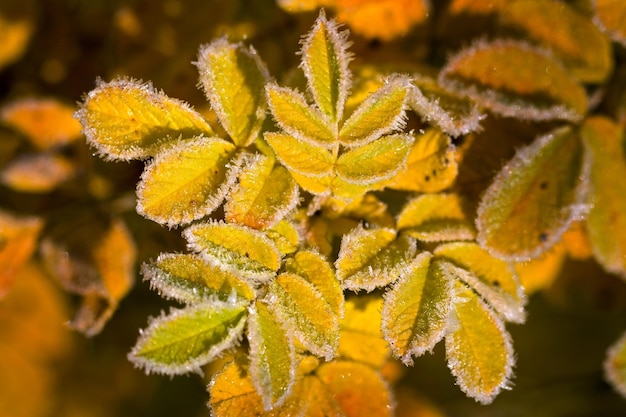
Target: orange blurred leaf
<point x="39" y="173"/>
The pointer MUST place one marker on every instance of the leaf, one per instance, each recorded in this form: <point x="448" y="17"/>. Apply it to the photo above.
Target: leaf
<point x="372" y="258"/>
<point x="233" y="393"/>
<point x="431" y="165"/>
<point x="265" y="193"/>
<point x="47" y="123"/>
<point x="18" y="239"/>
<point x="37" y="173"/>
<point x="376" y="161"/>
<point x="476" y="6"/>
<point x="188" y="338"/>
<point x="245" y="250"/>
<point x="300" y="157"/>
<point x="493" y="279"/>
<point x="610" y="16"/>
<point x="615" y="365"/>
<point x="187" y="181"/>
<point x="233" y="78"/>
<point x="540" y="273"/>
<point x="306" y="313"/>
<point x="435" y="218"/>
<point x="478" y="348"/>
<point x="534" y="198"/>
<point x="126" y="119"/>
<point x="272" y="357"/>
<point x="285" y="236"/>
<point x="514" y="79"/>
<point x="17" y="26"/>
<point x="325" y="64"/>
<point x="190" y="279"/>
<point x="294" y="116"/>
<point x="316" y="270"/>
<point x="607" y="216"/>
<point x="416" y="309"/>
<point x="381" y="113"/>
<point x="569" y="34"/>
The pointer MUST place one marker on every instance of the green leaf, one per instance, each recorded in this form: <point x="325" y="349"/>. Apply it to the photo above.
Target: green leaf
<point x="126" y="119"/>
<point x="610" y="17"/>
<point x="478" y="348"/>
<point x="615" y="365"/>
<point x="373" y="258"/>
<point x="233" y="78"/>
<point x="249" y="252"/>
<point x="381" y="113"/>
<point x="186" y="339"/>
<point x="293" y="115"/>
<point x="306" y="313"/>
<point x="190" y="279"/>
<point x="607" y="217"/>
<point x="514" y="79"/>
<point x="265" y="193"/>
<point x="376" y="161"/>
<point x="534" y="197"/>
<point x="300" y="157"/>
<point x="272" y="355"/>
<point x="415" y="312"/>
<point x="325" y="65"/>
<point x="435" y="218"/>
<point x="187" y="181"/>
<point x="493" y="279"/>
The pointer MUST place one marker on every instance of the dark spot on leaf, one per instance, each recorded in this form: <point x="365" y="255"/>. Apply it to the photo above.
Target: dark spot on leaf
<point x="543" y="185"/>
<point x="496" y="284"/>
<point x="434" y="173"/>
<point x="543" y="237"/>
<point x="374" y="43"/>
<point x="427" y="178"/>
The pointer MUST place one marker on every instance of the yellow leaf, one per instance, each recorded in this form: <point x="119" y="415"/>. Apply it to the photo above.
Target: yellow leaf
<point x="17" y="24"/>
<point x="539" y="274"/>
<point x="38" y="173"/>
<point x="476" y="6"/>
<point x="300" y="157"/>
<point x="294" y="6"/>
<point x="285" y="236"/>
<point x="233" y="393"/>
<point x="46" y="123"/>
<point x="611" y="18"/>
<point x="615" y="365"/>
<point x="187" y="181"/>
<point x="576" y="241"/>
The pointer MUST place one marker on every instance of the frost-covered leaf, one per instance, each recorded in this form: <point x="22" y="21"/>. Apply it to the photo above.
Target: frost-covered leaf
<point x="125" y="119"/>
<point x="191" y="279"/>
<point x="37" y="173"/>
<point x="606" y="220"/>
<point x="534" y="197"/>
<point x="514" y="79"/>
<point x="415" y="312"/>
<point x="285" y="236"/>
<point x="232" y="392"/>
<point x="373" y="258"/>
<point x="580" y="45"/>
<point x="294" y="115"/>
<point x="315" y="269"/>
<point x="307" y="314"/>
<point x="381" y="113"/>
<point x="431" y="165"/>
<point x="233" y="78"/>
<point x="272" y="356"/>
<point x="376" y="161"/>
<point x="615" y="365"/>
<point x="611" y="18"/>
<point x="248" y="251"/>
<point x="325" y="65"/>
<point x="493" y="279"/>
<point x="478" y="348"/>
<point x="185" y="339"/>
<point x="435" y="218"/>
<point x="264" y="194"/>
<point x="187" y="181"/>
<point x="299" y="156"/>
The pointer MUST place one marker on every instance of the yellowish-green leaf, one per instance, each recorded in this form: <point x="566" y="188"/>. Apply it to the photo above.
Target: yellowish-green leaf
<point x="373" y="258"/>
<point x="606" y="220"/>
<point x="191" y="279"/>
<point x="611" y="18"/>
<point x="293" y="115"/>
<point x="248" y="251"/>
<point x="272" y="355"/>
<point x="299" y="156"/>
<point x="416" y="309"/>
<point x="436" y="218"/>
<point x="370" y="209"/>
<point x="569" y="34"/>
<point x="478" y="347"/>
<point x="493" y="279"/>
<point x="125" y="119"/>
<point x="315" y="269"/>
<point x="37" y="173"/>
<point x="306" y="313"/>
<point x="431" y="165"/>
<point x="325" y="65"/>
<point x="534" y="197"/>
<point x="265" y="193"/>
<point x="186" y="339"/>
<point x="376" y="161"/>
<point x="187" y="181"/>
<point x="233" y="78"/>
<point x="514" y="79"/>
<point x="615" y="365"/>
<point x="285" y="236"/>
<point x="381" y="113"/>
